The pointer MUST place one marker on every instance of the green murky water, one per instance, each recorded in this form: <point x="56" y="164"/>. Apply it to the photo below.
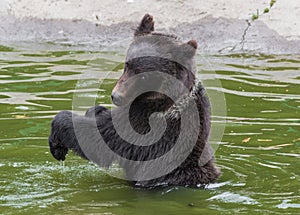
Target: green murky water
<point x="259" y="153"/>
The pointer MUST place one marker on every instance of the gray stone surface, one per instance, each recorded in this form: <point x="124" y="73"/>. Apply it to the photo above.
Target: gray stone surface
<point x="220" y="27"/>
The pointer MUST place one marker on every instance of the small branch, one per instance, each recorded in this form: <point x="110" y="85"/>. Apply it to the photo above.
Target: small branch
<point x="253" y="18"/>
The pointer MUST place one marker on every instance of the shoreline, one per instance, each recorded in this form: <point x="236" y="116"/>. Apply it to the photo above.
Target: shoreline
<point x="218" y="27"/>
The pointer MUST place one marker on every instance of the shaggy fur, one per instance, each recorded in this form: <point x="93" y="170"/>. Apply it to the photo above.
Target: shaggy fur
<point x="190" y="172"/>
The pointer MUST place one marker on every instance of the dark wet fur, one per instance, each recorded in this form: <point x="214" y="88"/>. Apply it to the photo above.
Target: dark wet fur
<point x="189" y="173"/>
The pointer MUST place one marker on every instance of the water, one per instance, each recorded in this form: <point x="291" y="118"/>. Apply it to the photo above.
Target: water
<point x="259" y="153"/>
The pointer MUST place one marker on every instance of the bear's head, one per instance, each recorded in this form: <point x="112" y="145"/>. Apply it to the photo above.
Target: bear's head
<point x="152" y="58"/>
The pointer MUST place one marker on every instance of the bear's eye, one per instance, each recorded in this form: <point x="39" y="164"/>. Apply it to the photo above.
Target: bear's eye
<point x="126" y="65"/>
<point x="137" y="71"/>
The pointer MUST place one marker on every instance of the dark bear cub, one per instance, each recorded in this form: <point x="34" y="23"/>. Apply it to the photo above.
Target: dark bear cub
<point x="159" y="131"/>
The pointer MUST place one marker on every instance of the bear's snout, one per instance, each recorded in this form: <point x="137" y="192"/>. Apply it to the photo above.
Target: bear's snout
<point x="117" y="99"/>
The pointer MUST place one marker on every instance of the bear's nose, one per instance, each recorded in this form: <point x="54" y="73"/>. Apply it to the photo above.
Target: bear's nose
<point x="116" y="99"/>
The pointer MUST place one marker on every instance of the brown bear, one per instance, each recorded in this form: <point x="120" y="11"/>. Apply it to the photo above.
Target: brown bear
<point x="159" y="131"/>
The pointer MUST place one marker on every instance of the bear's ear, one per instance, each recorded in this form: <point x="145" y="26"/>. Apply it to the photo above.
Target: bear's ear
<point x="189" y="48"/>
<point x="146" y="26"/>
<point x="193" y="43"/>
